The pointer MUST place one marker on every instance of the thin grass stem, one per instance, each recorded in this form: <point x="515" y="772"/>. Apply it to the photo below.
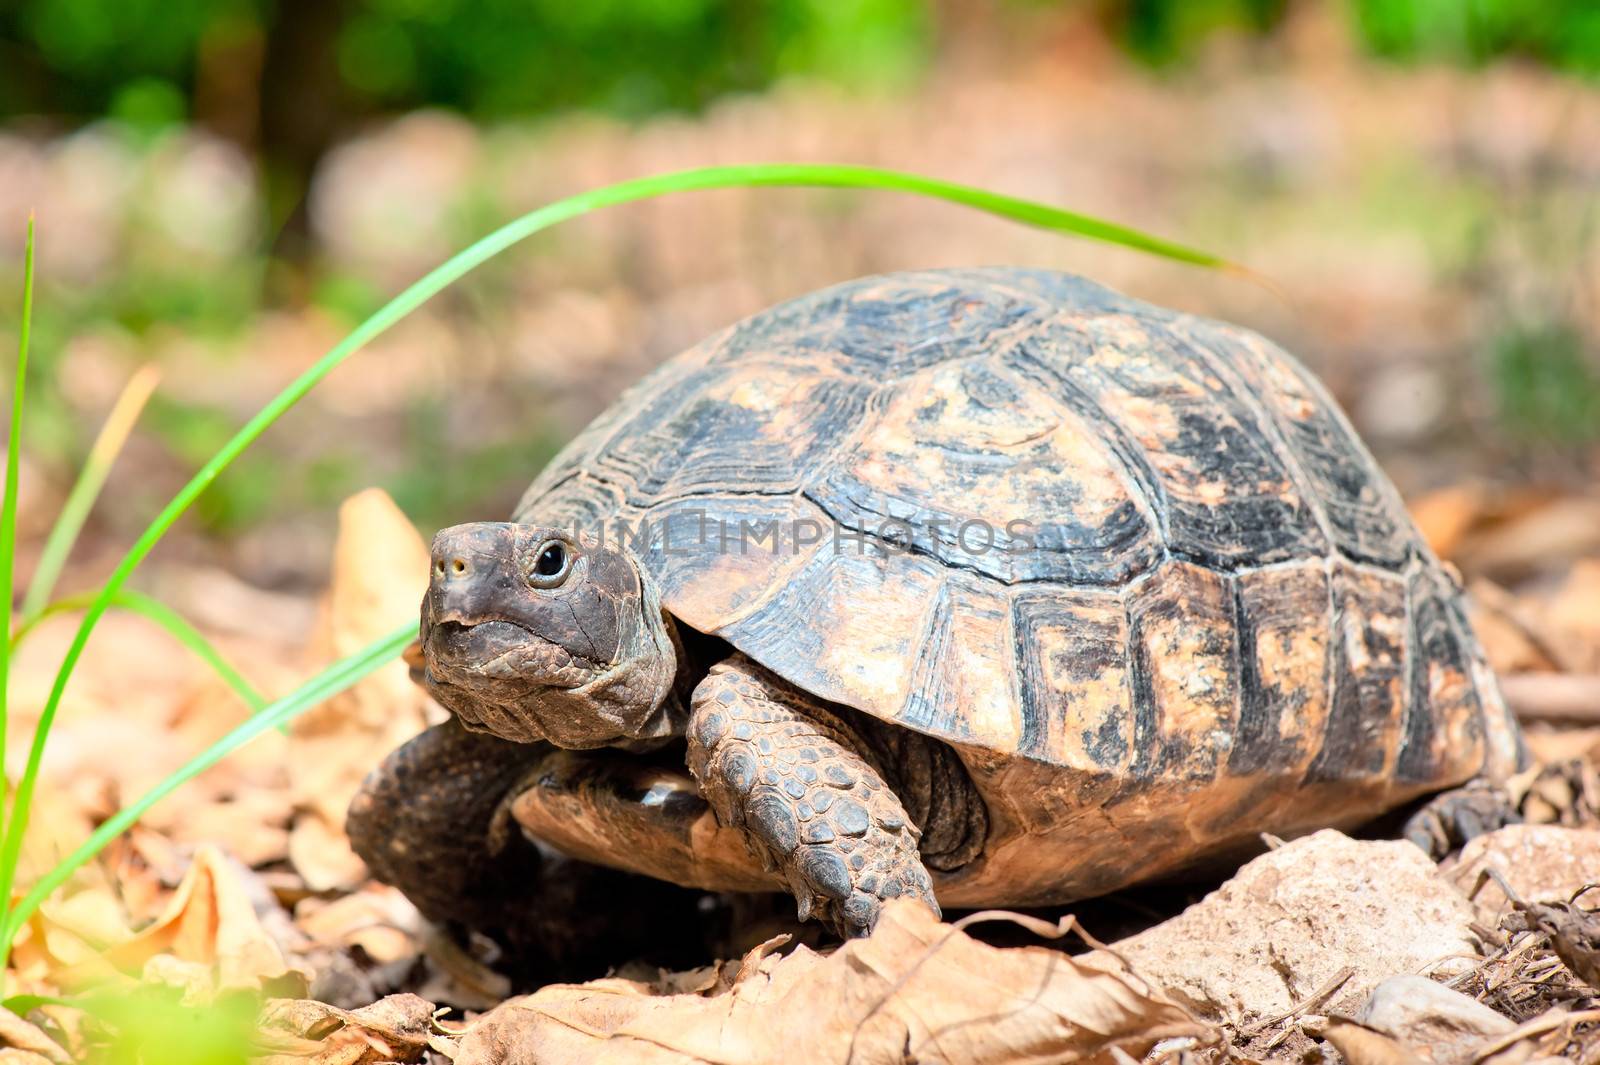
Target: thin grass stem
<point x="155" y="610"/>
<point x="80" y="501"/>
<point x="8" y="506"/>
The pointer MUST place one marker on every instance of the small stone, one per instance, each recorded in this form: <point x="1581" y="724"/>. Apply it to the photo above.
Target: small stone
<point x="1292" y="918"/>
<point x="1427" y="1016"/>
<point x="1542" y="863"/>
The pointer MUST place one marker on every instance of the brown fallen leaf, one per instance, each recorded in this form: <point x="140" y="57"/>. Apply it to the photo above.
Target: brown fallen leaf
<point x="1572" y="617"/>
<point x="377" y="918"/>
<point x="1361" y="1045"/>
<point x="208" y="940"/>
<point x="915" y="989"/>
<point x="304" y="1032"/>
<point x="24" y="1041"/>
<point x="1534" y="541"/>
<point x="1547" y="1037"/>
<point x="1445" y="516"/>
<point x="380" y="572"/>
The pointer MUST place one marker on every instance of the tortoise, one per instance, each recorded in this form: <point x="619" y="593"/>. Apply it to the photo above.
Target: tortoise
<point x="982" y="587"/>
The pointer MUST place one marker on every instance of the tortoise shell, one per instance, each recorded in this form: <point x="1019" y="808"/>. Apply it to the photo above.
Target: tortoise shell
<point x="1133" y="565"/>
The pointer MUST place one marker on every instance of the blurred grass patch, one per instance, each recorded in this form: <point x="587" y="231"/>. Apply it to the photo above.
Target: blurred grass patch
<point x="1547" y="384"/>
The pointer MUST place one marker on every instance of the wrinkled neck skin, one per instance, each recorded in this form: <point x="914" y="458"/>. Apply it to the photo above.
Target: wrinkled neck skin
<point x="593" y="664"/>
<point x="641" y="691"/>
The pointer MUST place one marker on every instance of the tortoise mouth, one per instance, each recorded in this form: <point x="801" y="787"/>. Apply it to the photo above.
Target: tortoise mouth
<point x="479" y="646"/>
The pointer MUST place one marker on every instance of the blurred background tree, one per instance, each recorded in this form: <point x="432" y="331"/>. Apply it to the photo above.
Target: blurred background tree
<point x="286" y="78"/>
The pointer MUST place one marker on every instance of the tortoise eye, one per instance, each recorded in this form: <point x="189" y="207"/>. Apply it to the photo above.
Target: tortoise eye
<point x="552" y="562"/>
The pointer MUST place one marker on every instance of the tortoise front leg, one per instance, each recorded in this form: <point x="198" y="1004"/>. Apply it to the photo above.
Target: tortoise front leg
<point x="1449" y="820"/>
<point x="804" y="786"/>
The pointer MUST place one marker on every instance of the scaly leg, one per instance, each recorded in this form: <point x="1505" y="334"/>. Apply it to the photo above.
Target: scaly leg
<point x="807" y="790"/>
<point x="1448" y="820"/>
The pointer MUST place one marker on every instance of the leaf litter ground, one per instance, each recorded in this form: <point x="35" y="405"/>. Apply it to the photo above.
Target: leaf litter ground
<point x="241" y="889"/>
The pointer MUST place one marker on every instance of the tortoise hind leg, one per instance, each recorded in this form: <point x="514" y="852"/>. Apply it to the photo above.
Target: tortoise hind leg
<point x="1449" y="819"/>
<point x="433" y="820"/>
<point x="805" y="788"/>
<point x="428" y="821"/>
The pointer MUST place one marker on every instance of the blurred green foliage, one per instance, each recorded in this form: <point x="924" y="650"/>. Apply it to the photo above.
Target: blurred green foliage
<point x="1547" y="385"/>
<point x="144" y="58"/>
<point x="150" y="1025"/>
<point x="1164" y="31"/>
<point x="1562" y="33"/>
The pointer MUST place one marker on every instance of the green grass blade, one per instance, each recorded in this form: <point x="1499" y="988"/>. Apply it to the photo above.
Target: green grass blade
<point x="80" y="501"/>
<point x="331" y="681"/>
<point x="8" y="507"/>
<point x="796" y="174"/>
<point x="155" y="610"/>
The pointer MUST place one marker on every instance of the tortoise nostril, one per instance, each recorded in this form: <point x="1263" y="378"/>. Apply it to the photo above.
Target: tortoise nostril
<point x="459" y="565"/>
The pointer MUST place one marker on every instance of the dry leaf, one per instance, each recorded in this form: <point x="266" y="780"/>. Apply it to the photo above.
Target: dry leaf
<point x="1447" y="515"/>
<point x="380" y="572"/>
<point x="1361" y="1045"/>
<point x="303" y="1032"/>
<point x="25" y="1041"/>
<point x="1545" y="1037"/>
<point x="915" y="989"/>
<point x="1573" y="617"/>
<point x="378" y="919"/>
<point x="1565" y="527"/>
<point x="208" y="940"/>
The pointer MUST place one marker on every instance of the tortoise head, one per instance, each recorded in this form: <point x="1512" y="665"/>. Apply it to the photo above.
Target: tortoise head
<point x="529" y="634"/>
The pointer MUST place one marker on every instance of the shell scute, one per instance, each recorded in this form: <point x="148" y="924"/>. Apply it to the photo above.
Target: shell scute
<point x="1369" y="637"/>
<point x="989" y="475"/>
<point x="1183" y="637"/>
<point x="886" y="326"/>
<point x="1285" y="615"/>
<point x="747" y="429"/>
<point x="1071" y="649"/>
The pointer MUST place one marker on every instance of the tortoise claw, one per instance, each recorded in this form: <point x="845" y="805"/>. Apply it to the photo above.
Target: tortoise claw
<point x="1448" y="820"/>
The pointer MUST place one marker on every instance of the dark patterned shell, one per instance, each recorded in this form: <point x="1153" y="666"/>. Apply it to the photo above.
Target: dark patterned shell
<point x="1134" y="565"/>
